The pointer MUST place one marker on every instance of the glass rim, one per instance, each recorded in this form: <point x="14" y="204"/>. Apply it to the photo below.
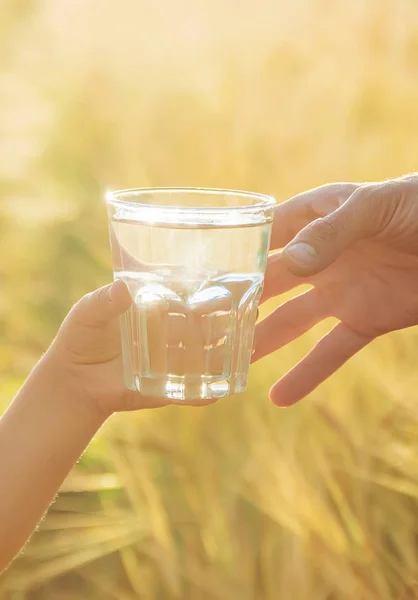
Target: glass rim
<point x="264" y="201"/>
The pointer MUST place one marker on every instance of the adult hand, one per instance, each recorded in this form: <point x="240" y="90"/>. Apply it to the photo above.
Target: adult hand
<point x="357" y="245"/>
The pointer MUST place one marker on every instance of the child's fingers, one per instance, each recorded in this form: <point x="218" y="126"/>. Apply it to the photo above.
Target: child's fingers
<point x="103" y="305"/>
<point x="135" y="401"/>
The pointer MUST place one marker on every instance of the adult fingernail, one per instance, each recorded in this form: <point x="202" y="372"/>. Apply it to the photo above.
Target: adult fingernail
<point x="301" y="253"/>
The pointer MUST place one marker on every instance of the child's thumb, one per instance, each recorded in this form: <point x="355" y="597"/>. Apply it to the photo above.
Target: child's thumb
<point x="104" y="305"/>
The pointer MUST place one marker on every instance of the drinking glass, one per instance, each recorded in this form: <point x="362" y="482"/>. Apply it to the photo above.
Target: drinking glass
<point x="193" y="261"/>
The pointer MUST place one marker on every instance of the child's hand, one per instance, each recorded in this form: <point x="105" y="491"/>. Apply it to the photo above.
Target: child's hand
<point x="63" y="403"/>
<point x="87" y="352"/>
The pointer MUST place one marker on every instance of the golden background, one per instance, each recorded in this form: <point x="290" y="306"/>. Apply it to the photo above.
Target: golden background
<point x="240" y="501"/>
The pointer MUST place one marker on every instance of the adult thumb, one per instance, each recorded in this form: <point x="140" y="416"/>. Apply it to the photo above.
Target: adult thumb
<point x="103" y="305"/>
<point x="321" y="242"/>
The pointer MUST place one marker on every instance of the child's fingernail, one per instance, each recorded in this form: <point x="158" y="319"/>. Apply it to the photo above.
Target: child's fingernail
<point x="112" y="287"/>
<point x="109" y="290"/>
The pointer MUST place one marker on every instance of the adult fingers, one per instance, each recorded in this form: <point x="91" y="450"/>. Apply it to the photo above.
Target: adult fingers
<point x="278" y="278"/>
<point x="294" y="214"/>
<point x="321" y="242"/>
<point x="288" y="322"/>
<point x="331" y="352"/>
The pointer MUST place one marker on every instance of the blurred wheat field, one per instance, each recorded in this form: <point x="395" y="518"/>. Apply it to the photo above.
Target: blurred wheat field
<point x="239" y="500"/>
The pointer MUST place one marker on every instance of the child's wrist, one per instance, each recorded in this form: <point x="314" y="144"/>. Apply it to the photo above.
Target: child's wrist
<point x="69" y="389"/>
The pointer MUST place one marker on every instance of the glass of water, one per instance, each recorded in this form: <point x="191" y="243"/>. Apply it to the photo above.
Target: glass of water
<point x="194" y="261"/>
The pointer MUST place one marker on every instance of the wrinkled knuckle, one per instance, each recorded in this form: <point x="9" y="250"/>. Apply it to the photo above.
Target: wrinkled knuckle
<point x="325" y="230"/>
<point x="383" y="201"/>
<point x="385" y="194"/>
<point x="403" y="190"/>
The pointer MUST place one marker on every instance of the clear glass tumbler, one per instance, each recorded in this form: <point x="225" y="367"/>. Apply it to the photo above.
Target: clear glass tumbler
<point x="194" y="261"/>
